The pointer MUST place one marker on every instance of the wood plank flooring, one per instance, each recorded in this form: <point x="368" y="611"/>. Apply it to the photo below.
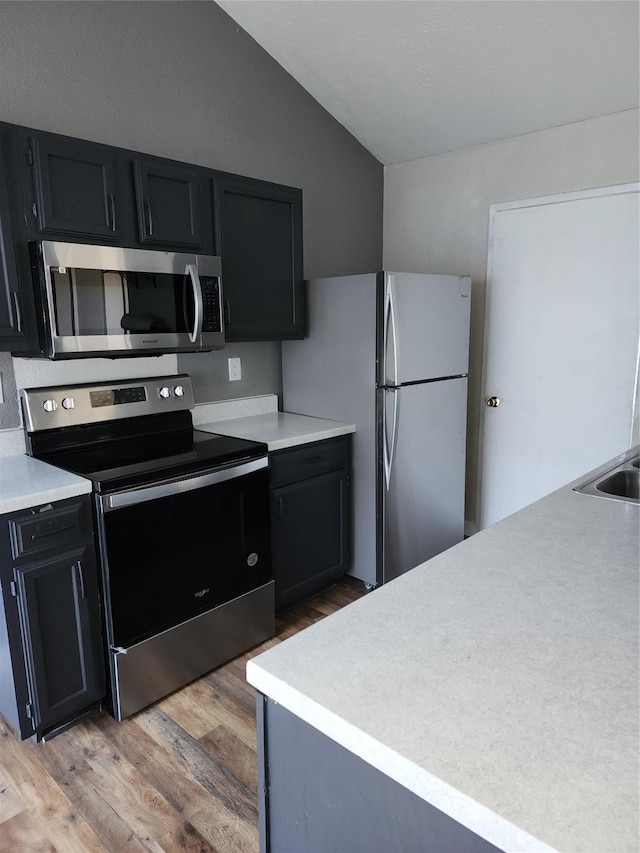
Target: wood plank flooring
<point x="178" y="776"/>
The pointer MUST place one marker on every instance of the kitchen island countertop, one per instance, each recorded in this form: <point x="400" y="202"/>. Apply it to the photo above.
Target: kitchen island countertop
<point x="498" y="681"/>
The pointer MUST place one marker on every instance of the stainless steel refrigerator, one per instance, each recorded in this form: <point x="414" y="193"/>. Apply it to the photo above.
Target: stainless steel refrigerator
<point x="389" y="352"/>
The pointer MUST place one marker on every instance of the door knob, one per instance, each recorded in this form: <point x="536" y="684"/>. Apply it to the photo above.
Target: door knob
<point x="493" y="402"/>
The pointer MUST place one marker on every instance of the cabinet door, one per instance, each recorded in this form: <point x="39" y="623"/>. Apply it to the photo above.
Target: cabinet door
<point x="311" y="535"/>
<point x="11" y="320"/>
<point x="259" y="227"/>
<point x="75" y="187"/>
<point x="169" y="201"/>
<point x="58" y="608"/>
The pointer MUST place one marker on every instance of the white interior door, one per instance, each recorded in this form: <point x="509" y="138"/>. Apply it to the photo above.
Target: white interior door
<point x="561" y="342"/>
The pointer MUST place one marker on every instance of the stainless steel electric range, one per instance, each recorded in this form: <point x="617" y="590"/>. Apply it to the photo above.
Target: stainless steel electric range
<point x="182" y="520"/>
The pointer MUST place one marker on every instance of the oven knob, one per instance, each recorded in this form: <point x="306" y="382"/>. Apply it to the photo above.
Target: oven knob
<point x="165" y="392"/>
<point x="68" y="403"/>
<point x="178" y="391"/>
<point x="49" y="405"/>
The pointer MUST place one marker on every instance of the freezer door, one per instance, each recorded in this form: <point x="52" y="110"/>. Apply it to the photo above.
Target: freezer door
<point x="425" y="327"/>
<point x="421" y="472"/>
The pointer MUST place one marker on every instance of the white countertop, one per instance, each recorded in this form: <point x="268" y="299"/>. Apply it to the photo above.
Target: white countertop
<point x="279" y="430"/>
<point x="498" y="681"/>
<point x="26" y="482"/>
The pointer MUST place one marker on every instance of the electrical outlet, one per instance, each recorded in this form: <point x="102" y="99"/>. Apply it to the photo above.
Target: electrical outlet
<point x="235" y="369"/>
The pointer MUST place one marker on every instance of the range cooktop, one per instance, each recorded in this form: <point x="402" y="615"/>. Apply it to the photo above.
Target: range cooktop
<point x="128" y="433"/>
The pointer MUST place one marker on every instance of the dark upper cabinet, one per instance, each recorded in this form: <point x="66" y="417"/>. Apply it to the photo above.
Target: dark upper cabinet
<point x="11" y="304"/>
<point x="169" y="204"/>
<point x="259" y="237"/>
<point x="76" y="187"/>
<point x="50" y="626"/>
<point x="310" y="517"/>
<point x="91" y="192"/>
<point x="62" y="188"/>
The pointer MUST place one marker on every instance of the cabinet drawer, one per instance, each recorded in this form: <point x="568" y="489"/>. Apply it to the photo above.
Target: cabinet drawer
<point x="42" y="531"/>
<point x="309" y="460"/>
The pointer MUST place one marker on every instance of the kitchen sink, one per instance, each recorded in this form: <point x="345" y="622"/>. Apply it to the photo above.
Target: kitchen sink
<point x="624" y="484"/>
<point x="621" y="482"/>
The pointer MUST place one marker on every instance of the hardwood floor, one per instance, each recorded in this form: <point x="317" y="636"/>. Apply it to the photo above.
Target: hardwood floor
<point x="180" y="775"/>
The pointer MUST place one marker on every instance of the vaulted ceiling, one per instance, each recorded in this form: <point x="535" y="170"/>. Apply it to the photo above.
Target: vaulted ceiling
<point x="410" y="78"/>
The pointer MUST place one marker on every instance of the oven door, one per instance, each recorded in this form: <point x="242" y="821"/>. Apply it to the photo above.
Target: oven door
<point x="173" y="550"/>
<point x="186" y="579"/>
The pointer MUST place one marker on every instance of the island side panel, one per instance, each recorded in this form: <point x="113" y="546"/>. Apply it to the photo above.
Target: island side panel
<point x="263" y="761"/>
<point x="316" y="795"/>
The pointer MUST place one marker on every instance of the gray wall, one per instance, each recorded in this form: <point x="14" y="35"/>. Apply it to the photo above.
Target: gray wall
<point x="182" y="80"/>
<point x="436" y="213"/>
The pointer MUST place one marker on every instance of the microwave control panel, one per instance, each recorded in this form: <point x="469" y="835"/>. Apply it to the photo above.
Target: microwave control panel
<point x="211" y="309"/>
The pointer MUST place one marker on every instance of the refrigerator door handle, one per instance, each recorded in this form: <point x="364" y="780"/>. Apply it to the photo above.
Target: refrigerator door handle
<point x="390" y="447"/>
<point x="391" y="332"/>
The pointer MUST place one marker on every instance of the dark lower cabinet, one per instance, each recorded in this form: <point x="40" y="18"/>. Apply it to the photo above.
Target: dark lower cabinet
<point x="50" y="629"/>
<point x="310" y="517"/>
<point x="259" y="231"/>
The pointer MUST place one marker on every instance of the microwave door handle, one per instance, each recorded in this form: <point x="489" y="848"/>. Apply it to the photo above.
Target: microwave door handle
<point x="195" y="334"/>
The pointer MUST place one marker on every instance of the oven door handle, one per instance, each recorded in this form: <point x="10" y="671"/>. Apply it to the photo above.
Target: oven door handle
<point x="177" y="487"/>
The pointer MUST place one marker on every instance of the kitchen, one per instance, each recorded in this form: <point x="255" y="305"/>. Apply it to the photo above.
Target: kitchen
<point x="273" y="131"/>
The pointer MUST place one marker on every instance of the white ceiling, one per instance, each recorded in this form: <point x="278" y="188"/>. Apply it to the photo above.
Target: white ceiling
<point x="409" y="78"/>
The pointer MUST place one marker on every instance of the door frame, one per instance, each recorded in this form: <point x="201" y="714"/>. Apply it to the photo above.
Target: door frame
<point x="494" y="209"/>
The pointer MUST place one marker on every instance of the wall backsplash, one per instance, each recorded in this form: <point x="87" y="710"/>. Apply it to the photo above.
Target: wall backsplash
<point x="261" y="365"/>
<point x="36" y="372"/>
<point x="20" y="373"/>
<point x="261" y="374"/>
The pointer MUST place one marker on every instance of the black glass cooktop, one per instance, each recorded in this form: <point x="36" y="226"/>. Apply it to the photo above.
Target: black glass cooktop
<point x="118" y="456"/>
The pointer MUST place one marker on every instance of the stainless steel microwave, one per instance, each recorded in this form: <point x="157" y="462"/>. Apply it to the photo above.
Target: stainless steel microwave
<point x="109" y="301"/>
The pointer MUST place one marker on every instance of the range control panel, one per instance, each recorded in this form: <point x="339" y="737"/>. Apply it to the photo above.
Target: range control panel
<point x="73" y="405"/>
